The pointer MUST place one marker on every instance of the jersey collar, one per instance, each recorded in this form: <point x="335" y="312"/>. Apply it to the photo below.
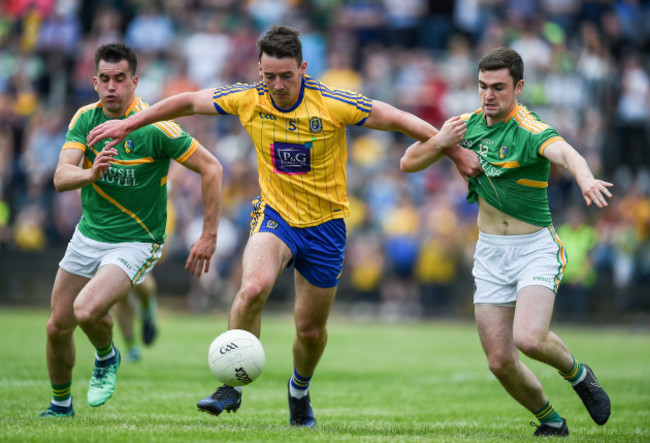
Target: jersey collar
<point x="298" y="102"/>
<point x="132" y="106"/>
<point x="508" y="117"/>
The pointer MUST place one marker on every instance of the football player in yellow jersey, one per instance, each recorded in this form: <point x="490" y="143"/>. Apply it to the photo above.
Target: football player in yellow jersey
<point x="519" y="259"/>
<point x="298" y="128"/>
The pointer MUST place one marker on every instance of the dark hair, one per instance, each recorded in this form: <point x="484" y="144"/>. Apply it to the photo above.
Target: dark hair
<point x="115" y="52"/>
<point x="281" y="42"/>
<point x="500" y="58"/>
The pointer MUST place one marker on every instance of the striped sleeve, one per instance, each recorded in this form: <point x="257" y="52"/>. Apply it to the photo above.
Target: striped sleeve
<point x="350" y="107"/>
<point x="227" y="99"/>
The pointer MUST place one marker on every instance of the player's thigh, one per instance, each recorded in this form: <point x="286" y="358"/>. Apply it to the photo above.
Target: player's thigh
<point x="64" y="292"/>
<point x="494" y="324"/>
<point x="533" y="311"/>
<point x="313" y="303"/>
<point x="106" y="288"/>
<point x="264" y="258"/>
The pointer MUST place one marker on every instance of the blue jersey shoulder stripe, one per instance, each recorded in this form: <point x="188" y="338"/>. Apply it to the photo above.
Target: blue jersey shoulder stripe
<point x="237" y="86"/>
<point x="341" y="99"/>
<point x="261" y="88"/>
<point x="349" y="102"/>
<point x="344" y="99"/>
<point x="223" y="92"/>
<point x="341" y="92"/>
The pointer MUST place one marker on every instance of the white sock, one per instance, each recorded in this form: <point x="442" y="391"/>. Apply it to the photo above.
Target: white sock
<point x="65" y="403"/>
<point x="107" y="356"/>
<point x="297" y="393"/>
<point x="582" y="377"/>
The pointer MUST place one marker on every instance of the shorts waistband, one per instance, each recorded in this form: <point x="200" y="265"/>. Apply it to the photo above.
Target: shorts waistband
<point x="513" y="240"/>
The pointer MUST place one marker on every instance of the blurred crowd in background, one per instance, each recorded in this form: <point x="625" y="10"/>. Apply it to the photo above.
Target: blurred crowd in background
<point x="411" y="236"/>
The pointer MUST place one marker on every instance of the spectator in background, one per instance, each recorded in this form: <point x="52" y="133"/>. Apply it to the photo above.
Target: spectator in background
<point x="438" y="262"/>
<point x="633" y="115"/>
<point x="579" y="239"/>
<point x="41" y="153"/>
<point x="206" y="51"/>
<point x="340" y="73"/>
<point x="150" y="31"/>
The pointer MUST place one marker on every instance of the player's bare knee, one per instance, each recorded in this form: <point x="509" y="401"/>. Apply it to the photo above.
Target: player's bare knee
<point x="85" y="315"/>
<point x="529" y="344"/>
<point x="311" y="335"/>
<point x="501" y="365"/>
<point x="253" y="293"/>
<point x="57" y="329"/>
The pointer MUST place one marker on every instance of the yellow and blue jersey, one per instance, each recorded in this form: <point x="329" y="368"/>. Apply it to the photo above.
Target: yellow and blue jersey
<point x="301" y="151"/>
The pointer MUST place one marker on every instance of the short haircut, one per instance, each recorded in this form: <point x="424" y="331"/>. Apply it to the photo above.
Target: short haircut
<point x="115" y="52"/>
<point x="500" y="58"/>
<point x="281" y="41"/>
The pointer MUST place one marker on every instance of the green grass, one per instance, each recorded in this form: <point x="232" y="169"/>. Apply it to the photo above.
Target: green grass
<point x="376" y="382"/>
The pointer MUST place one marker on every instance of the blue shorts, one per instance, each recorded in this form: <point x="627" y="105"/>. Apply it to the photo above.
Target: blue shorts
<point x="318" y="251"/>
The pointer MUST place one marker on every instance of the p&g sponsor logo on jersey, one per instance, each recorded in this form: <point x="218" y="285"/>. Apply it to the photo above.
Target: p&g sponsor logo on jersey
<point x="290" y="158"/>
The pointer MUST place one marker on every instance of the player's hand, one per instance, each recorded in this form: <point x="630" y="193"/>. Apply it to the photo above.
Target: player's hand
<point x="452" y="132"/>
<point x="200" y="255"/>
<point x="102" y="162"/>
<point x="466" y="161"/>
<point x="115" y="130"/>
<point x="595" y="191"/>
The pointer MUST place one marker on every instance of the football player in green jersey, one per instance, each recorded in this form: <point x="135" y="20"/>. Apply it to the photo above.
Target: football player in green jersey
<point x="122" y="229"/>
<point x="519" y="259"/>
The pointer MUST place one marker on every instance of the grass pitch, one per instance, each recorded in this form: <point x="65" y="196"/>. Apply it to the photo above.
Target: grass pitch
<point x="420" y="382"/>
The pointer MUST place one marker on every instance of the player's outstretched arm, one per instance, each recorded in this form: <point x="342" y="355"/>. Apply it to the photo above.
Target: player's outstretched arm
<point x="385" y="117"/>
<point x="388" y="118"/>
<point x="211" y="171"/>
<point x="70" y="174"/>
<point x="422" y="154"/>
<point x="593" y="190"/>
<point x="179" y="105"/>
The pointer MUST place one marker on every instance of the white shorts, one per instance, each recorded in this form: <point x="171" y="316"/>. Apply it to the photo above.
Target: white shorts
<point x="504" y="264"/>
<point x="85" y="256"/>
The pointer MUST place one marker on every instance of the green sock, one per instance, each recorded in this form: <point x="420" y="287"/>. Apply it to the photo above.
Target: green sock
<point x="130" y="341"/>
<point x="148" y="310"/>
<point x="575" y="374"/>
<point x="548" y="414"/>
<point x="61" y="392"/>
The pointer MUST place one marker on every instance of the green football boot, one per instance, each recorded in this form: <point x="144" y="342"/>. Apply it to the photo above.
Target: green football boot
<point x="102" y="383"/>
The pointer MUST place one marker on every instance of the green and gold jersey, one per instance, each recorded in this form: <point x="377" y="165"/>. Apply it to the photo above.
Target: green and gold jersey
<point x="302" y="151"/>
<point x="129" y="203"/>
<point x="516" y="174"/>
